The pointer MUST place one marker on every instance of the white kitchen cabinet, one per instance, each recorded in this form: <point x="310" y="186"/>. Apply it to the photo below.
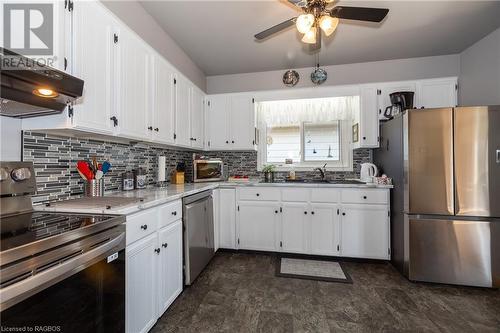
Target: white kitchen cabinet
<point x="257" y="224"/>
<point x="295" y="225"/>
<point x="216" y="201"/>
<point x="227" y="218"/>
<point x="140" y="295"/>
<point x="242" y="122"/>
<point x="135" y="86"/>
<point x="154" y="264"/>
<point x="217" y="122"/>
<point x="230" y="122"/>
<point x="325" y="229"/>
<point x="169" y="265"/>
<point x="365" y="231"/>
<point x="197" y="117"/>
<point x="385" y="89"/>
<point x="164" y="107"/>
<point x="367" y="119"/>
<point x="182" y="112"/>
<point x="437" y="93"/>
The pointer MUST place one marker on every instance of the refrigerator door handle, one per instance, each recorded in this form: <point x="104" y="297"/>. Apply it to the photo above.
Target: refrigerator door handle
<point x="498" y="156"/>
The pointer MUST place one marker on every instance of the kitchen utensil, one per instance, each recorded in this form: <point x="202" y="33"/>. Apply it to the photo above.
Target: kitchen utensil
<point x="368" y="171"/>
<point x="94" y="164"/>
<point x="94" y="187"/>
<point x="84" y="168"/>
<point x="81" y="174"/>
<point x="99" y="174"/>
<point x="99" y="166"/>
<point x="105" y="166"/>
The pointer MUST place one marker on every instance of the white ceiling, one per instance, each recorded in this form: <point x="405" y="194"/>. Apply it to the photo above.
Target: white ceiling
<point x="218" y="35"/>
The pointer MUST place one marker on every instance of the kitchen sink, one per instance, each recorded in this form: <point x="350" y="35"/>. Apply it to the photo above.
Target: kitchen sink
<point x="319" y="181"/>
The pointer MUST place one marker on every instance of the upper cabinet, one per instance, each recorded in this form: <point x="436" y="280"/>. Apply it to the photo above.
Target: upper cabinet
<point x="163" y="111"/>
<point x="197" y="117"/>
<point x="182" y="112"/>
<point x="384" y="91"/>
<point x="94" y="58"/>
<point x="437" y="93"/>
<point x="365" y="122"/>
<point x="230" y="122"/>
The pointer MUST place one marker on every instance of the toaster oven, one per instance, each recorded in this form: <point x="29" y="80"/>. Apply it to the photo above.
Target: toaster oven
<point x="209" y="170"/>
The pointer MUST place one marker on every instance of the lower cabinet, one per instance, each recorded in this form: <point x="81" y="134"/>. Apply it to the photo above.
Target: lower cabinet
<point x="365" y="231"/>
<point x="227" y="218"/>
<point x="169" y="265"/>
<point x="357" y="225"/>
<point x="257" y="226"/>
<point x="153" y="268"/>
<point x="325" y="230"/>
<point x="140" y="284"/>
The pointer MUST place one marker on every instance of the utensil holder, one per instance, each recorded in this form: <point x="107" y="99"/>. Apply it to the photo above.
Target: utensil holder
<point x="94" y="188"/>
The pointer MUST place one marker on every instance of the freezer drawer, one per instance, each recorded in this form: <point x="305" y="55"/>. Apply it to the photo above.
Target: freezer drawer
<point x="454" y="251"/>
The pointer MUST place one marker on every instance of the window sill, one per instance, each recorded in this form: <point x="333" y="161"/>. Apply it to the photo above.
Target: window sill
<point x="308" y="167"/>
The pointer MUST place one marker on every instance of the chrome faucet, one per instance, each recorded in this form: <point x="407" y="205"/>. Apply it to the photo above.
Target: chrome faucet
<point x="322" y="171"/>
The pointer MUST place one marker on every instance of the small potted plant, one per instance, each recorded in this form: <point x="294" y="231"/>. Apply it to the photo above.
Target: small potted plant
<point x="268" y="171"/>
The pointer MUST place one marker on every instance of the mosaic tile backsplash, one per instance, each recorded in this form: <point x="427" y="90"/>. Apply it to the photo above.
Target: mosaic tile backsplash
<point x="55" y="158"/>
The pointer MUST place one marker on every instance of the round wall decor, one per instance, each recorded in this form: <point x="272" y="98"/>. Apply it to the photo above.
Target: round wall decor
<point x="290" y="78"/>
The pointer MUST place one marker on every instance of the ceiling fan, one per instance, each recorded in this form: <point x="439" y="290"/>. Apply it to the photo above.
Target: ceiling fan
<point x="318" y="17"/>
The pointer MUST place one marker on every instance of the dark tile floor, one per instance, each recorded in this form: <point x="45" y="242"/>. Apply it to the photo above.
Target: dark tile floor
<point x="240" y="293"/>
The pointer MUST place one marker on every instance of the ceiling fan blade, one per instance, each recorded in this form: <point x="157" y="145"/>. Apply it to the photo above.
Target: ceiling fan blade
<point x="298" y="3"/>
<point x="316" y="46"/>
<point x="277" y="28"/>
<point x="359" y="13"/>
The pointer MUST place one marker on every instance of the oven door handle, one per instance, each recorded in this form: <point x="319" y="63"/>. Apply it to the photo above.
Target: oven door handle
<point x="23" y="289"/>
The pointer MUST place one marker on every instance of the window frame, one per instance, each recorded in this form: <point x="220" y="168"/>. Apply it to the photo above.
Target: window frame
<point x="345" y="163"/>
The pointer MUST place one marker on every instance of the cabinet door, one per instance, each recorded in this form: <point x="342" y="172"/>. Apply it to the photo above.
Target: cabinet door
<point x="242" y="122"/>
<point x="197" y="104"/>
<point x="182" y="112"/>
<point x="365" y="231"/>
<point x="227" y="218"/>
<point x="216" y="116"/>
<point x="136" y="89"/>
<point x="368" y="119"/>
<point x="325" y="229"/>
<point x="140" y="295"/>
<point x="93" y="54"/>
<point x="169" y="265"/>
<point x="295" y="220"/>
<point x="386" y="89"/>
<point x="437" y="93"/>
<point x="163" y="111"/>
<point x="257" y="226"/>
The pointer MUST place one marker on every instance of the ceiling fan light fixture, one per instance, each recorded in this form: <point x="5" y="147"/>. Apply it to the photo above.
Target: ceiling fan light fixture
<point x="328" y="24"/>
<point x="310" y="36"/>
<point x="304" y="23"/>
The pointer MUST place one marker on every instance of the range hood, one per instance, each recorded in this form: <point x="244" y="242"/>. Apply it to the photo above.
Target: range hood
<point x="31" y="89"/>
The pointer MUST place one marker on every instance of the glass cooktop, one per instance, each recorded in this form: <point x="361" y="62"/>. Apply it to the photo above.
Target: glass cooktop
<point x="30" y="227"/>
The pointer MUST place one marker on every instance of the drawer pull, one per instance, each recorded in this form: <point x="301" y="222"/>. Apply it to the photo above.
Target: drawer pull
<point x="305" y="213"/>
<point x="364" y="196"/>
<point x="157" y="251"/>
<point x="257" y="194"/>
<point x="174" y="213"/>
<point x="275" y="212"/>
<point x="343" y="214"/>
<point x="144" y="226"/>
<point x="164" y="245"/>
<point x="312" y="213"/>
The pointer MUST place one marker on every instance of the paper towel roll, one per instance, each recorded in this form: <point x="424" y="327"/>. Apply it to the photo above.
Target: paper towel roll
<point x="161" y="168"/>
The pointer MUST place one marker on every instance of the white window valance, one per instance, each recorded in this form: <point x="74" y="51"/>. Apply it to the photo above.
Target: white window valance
<point x="317" y="110"/>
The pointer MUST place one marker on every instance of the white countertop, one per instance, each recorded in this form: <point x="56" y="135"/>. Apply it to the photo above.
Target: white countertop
<point x="154" y="196"/>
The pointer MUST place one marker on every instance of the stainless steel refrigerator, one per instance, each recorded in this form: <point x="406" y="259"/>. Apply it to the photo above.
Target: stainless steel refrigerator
<point x="445" y="206"/>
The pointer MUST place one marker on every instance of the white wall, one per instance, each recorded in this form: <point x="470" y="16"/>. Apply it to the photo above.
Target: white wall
<point x="378" y="71"/>
<point x="10" y="139"/>
<point x="136" y="17"/>
<point x="480" y="72"/>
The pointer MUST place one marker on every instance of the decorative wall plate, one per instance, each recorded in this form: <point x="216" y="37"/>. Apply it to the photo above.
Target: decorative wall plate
<point x="290" y="78"/>
<point x="318" y="75"/>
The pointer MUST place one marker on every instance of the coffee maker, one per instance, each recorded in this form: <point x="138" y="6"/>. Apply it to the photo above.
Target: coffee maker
<point x="401" y="100"/>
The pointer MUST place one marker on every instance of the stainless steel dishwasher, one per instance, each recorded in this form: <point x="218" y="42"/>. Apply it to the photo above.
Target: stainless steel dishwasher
<point x="198" y="220"/>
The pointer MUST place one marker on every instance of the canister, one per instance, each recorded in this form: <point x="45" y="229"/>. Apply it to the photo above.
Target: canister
<point x="140" y="178"/>
<point x="128" y="180"/>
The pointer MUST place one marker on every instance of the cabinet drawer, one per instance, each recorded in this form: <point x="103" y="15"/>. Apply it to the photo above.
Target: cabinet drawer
<point x="169" y="213"/>
<point x="370" y="196"/>
<point x="141" y="224"/>
<point x="295" y="194"/>
<point x="326" y="195"/>
<point x="260" y="194"/>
